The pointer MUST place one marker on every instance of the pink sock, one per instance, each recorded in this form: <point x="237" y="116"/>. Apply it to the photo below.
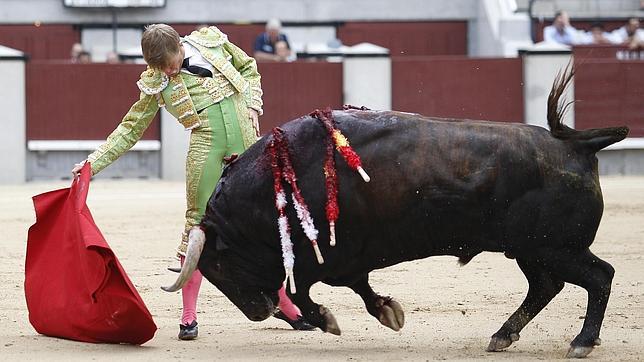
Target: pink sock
<point x="286" y="306"/>
<point x="189" y="293"/>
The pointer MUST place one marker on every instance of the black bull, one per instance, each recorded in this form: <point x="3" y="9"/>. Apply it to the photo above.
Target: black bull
<point x="438" y="187"/>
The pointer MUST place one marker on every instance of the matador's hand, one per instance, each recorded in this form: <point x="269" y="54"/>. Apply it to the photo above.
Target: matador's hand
<point x="254" y="117"/>
<point x="77" y="168"/>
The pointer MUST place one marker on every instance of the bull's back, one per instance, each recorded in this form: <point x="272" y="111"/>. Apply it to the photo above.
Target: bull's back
<point x="437" y="186"/>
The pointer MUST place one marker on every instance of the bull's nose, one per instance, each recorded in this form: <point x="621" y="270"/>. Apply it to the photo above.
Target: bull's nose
<point x="262" y="315"/>
<point x="259" y="318"/>
<point x="263" y="310"/>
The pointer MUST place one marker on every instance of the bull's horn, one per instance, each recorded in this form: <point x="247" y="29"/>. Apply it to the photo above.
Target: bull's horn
<point x="196" y="240"/>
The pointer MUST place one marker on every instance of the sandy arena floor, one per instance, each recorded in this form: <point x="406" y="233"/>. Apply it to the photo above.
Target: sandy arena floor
<point x="451" y="311"/>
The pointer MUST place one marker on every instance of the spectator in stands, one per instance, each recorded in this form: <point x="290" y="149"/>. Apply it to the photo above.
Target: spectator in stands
<point x="266" y="42"/>
<point x="77" y="48"/>
<point x="561" y="31"/>
<point x="597" y="35"/>
<point x="282" y="50"/>
<point x="112" y="58"/>
<point x="630" y="34"/>
<point x="84" y="57"/>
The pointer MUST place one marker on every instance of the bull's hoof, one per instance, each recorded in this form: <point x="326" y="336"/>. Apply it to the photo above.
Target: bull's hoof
<point x="578" y="351"/>
<point x="330" y="324"/>
<point x="498" y="344"/>
<point x="392" y="315"/>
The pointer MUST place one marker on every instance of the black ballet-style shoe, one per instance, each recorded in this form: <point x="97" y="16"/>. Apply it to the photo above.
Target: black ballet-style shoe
<point x="298" y="324"/>
<point x="188" y="332"/>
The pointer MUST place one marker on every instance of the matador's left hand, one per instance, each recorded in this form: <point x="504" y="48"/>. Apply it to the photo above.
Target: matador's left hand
<point x="254" y="117"/>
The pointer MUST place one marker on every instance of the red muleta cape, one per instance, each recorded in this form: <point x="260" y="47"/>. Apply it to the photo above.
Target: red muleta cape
<point x="74" y="285"/>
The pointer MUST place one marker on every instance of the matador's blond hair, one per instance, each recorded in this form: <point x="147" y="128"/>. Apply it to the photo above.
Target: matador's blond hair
<point x="159" y="43"/>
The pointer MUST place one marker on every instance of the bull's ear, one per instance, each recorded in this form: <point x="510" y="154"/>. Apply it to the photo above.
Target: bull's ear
<point x="220" y="244"/>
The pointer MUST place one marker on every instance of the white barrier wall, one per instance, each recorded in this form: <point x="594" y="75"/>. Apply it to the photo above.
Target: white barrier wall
<point x="366" y="81"/>
<point x="541" y="65"/>
<point x="13" y="118"/>
<point x="174" y="148"/>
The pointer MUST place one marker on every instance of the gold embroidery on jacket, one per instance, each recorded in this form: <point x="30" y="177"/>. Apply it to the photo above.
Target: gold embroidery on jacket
<point x="152" y="81"/>
<point x="181" y="105"/>
<point x="200" y="144"/>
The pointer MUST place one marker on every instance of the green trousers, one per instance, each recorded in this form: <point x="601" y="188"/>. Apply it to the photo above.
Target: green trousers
<point x="219" y="136"/>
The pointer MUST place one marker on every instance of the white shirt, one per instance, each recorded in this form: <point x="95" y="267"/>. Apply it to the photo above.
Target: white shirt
<point x="620" y="35"/>
<point x="195" y="58"/>
<point x="569" y="37"/>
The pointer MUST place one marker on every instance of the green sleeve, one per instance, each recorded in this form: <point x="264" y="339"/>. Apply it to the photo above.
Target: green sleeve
<point x="128" y="132"/>
<point x="247" y="67"/>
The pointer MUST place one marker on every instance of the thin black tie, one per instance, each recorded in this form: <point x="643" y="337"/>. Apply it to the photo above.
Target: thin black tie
<point x="203" y="72"/>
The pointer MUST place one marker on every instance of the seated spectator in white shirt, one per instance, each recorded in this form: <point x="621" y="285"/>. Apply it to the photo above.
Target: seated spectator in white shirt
<point x="630" y="34"/>
<point x="561" y="31"/>
<point x="597" y="35"/>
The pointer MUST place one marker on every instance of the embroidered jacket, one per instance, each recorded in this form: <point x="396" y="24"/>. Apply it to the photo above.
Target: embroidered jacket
<point x="185" y="94"/>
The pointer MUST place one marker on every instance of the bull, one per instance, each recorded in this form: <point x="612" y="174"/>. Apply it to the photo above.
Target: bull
<point x="439" y="187"/>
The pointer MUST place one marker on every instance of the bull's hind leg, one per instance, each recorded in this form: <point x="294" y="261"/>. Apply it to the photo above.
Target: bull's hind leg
<point x="315" y="314"/>
<point x="388" y="312"/>
<point x="542" y="288"/>
<point x="586" y="270"/>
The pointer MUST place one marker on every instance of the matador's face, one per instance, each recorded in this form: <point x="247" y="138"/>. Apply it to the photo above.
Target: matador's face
<point x="174" y="63"/>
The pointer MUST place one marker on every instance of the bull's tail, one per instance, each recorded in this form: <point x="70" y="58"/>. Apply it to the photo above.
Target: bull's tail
<point x="591" y="140"/>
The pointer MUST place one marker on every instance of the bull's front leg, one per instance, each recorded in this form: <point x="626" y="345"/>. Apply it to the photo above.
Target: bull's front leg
<point x="315" y="314"/>
<point x="388" y="312"/>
